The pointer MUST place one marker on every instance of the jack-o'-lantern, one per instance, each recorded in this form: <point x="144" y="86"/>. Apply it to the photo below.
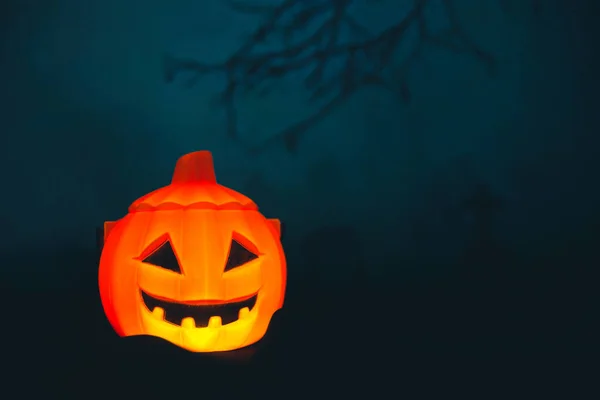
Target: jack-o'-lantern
<point x="194" y="263"/>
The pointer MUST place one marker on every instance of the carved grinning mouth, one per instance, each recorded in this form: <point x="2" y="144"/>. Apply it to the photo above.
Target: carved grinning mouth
<point x="182" y="313"/>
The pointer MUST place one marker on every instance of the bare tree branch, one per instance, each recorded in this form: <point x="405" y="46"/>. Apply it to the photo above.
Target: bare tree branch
<point x="314" y="37"/>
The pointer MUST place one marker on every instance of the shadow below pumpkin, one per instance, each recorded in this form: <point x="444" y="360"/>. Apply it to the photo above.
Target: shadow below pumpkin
<point x="148" y="347"/>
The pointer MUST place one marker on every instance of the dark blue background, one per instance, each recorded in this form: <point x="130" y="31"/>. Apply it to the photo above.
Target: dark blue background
<point x="392" y="192"/>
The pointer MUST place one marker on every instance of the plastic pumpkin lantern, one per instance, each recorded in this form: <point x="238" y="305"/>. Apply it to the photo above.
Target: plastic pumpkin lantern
<point x="194" y="263"/>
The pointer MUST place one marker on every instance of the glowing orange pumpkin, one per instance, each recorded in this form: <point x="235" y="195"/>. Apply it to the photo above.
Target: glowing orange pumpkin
<point x="194" y="263"/>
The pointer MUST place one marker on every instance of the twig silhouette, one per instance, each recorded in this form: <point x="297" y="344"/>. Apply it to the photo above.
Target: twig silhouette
<point x="312" y="34"/>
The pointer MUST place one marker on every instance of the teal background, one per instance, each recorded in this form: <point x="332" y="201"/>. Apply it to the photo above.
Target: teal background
<point x="89" y="124"/>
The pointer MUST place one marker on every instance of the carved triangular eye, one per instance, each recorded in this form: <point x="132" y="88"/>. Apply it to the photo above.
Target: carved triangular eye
<point x="238" y="255"/>
<point x="164" y="257"/>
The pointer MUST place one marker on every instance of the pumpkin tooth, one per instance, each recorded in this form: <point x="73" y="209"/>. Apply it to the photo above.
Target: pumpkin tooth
<point x="188" y="323"/>
<point x="158" y="312"/>
<point x="243" y="312"/>
<point x="214" y="322"/>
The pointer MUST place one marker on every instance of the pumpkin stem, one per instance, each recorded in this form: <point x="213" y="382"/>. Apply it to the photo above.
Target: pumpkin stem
<point x="195" y="167"/>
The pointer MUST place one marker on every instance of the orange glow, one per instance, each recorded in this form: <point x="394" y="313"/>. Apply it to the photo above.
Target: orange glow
<point x="194" y="263"/>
